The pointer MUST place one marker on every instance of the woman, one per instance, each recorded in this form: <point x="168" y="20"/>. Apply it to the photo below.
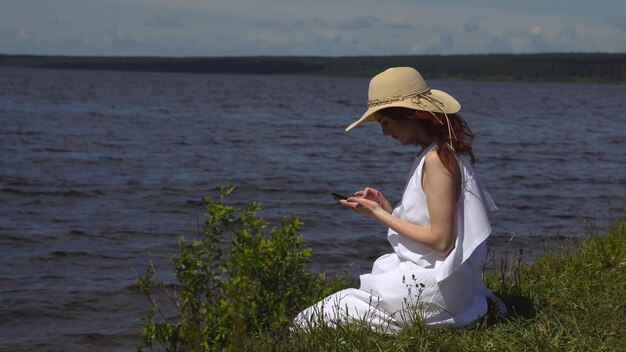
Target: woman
<point x="437" y="231"/>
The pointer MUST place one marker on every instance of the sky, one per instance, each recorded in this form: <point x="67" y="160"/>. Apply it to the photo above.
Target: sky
<point x="177" y="28"/>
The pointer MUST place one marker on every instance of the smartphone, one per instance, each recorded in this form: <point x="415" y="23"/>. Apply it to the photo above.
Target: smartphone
<point x="338" y="196"/>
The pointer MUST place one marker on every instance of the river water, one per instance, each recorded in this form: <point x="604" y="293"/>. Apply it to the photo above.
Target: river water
<point x="98" y="169"/>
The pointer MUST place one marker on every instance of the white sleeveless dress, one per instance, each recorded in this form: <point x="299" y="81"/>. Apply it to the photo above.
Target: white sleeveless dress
<point x="414" y="282"/>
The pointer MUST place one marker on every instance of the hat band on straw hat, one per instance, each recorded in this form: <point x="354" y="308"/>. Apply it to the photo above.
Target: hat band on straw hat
<point x="384" y="101"/>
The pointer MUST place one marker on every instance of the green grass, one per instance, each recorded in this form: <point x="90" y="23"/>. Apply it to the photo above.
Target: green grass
<point x="239" y="284"/>
<point x="572" y="302"/>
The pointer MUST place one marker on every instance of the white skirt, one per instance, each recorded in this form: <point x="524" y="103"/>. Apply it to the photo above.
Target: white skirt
<point x="400" y="293"/>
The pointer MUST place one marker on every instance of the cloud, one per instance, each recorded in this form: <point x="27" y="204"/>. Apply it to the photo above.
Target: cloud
<point x="540" y="39"/>
<point x="364" y="22"/>
<point x="274" y="25"/>
<point x="319" y="23"/>
<point x="535" y="30"/>
<point x="396" y="23"/>
<point x="289" y="26"/>
<point x="497" y="42"/>
<point x="437" y="41"/>
<point x="470" y="27"/>
<point x="617" y="21"/>
<point x="164" y="22"/>
<point x="120" y="40"/>
<point x="308" y="42"/>
<point x="534" y="39"/>
<point x="194" y="27"/>
<point x="360" y="22"/>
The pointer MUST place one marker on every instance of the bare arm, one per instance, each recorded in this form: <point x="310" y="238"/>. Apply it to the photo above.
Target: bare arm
<point x="440" y="188"/>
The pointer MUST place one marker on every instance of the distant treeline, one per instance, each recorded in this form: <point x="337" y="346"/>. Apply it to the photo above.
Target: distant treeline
<point x="569" y="67"/>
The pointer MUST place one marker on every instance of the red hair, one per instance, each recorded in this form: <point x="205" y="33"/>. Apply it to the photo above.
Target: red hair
<point x="436" y="124"/>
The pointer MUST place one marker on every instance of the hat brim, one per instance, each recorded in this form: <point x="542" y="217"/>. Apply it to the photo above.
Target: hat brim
<point x="450" y="106"/>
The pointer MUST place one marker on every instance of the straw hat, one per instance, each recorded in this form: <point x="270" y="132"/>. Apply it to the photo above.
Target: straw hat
<point x="405" y="87"/>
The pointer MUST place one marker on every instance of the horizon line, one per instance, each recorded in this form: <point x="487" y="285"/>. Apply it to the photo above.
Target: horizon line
<point x="322" y="56"/>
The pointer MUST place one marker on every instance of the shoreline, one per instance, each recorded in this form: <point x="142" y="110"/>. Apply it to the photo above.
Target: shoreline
<point x="549" y="67"/>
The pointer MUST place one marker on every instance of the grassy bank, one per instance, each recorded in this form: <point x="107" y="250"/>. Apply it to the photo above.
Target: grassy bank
<point x="567" y="302"/>
<point x="572" y="302"/>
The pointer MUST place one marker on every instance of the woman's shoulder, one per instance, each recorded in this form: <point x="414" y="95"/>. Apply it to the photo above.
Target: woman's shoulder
<point x="434" y="162"/>
<point x="432" y="157"/>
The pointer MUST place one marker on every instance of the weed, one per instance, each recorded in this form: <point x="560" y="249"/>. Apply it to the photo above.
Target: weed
<point x="236" y="281"/>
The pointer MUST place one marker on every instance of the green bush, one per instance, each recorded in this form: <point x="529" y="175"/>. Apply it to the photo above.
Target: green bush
<point x="235" y="283"/>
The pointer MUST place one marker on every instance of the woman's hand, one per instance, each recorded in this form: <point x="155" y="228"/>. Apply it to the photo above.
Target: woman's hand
<point x="376" y="196"/>
<point x="368" y="202"/>
<point x="363" y="206"/>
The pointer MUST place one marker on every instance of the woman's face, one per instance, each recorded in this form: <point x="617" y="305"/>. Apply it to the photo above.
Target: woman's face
<point x="407" y="131"/>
